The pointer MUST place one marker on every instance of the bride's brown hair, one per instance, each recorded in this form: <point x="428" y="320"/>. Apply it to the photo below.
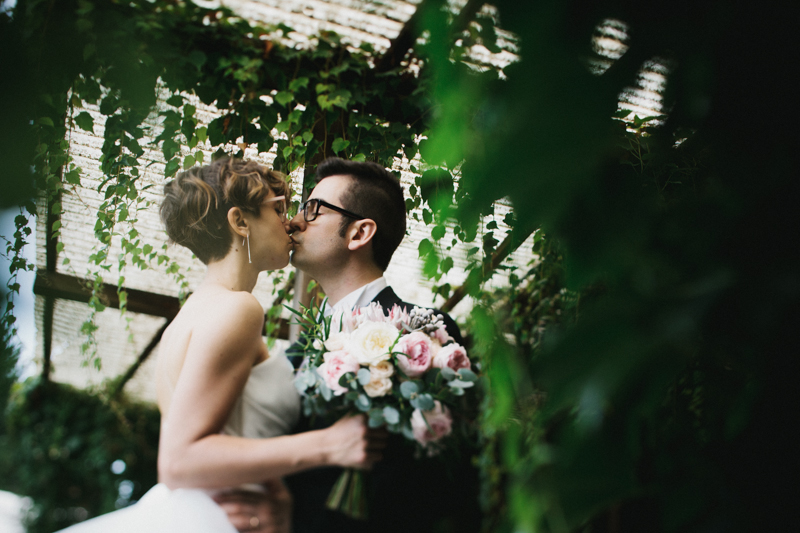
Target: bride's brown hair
<point x="196" y="203"/>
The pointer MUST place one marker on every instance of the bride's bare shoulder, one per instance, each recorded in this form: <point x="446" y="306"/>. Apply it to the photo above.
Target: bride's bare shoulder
<point x="210" y="309"/>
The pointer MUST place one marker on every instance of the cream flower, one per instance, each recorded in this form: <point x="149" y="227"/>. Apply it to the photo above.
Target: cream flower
<point x="378" y="387"/>
<point x="384" y="369"/>
<point x="371" y="342"/>
<point x="337" y="341"/>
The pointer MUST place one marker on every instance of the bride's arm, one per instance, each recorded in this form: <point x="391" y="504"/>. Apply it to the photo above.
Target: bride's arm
<point x="192" y="452"/>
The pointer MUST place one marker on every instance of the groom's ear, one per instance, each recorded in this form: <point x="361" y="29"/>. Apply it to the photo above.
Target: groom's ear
<point x="238" y="222"/>
<point x="360" y="233"/>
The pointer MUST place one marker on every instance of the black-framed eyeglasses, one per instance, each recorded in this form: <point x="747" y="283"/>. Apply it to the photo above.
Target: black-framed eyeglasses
<point x="311" y="207"/>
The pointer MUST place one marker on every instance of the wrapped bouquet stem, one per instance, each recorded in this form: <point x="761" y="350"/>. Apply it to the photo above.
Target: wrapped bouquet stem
<point x="348" y="495"/>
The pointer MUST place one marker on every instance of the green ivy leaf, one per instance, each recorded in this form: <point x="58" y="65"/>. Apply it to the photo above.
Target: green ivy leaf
<point x="73" y="177"/>
<point x="299" y="83"/>
<point x="197" y="58"/>
<point x="169" y="148"/>
<point x="175" y="100"/>
<point x="436" y="188"/>
<point x="85" y="121"/>
<point x="284" y="97"/>
<point x="446" y="264"/>
<point x="339" y="144"/>
<point x="172" y="167"/>
<point x="425" y="247"/>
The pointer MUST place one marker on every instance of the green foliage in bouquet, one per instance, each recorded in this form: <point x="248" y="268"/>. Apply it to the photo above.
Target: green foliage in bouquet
<point x="397" y="368"/>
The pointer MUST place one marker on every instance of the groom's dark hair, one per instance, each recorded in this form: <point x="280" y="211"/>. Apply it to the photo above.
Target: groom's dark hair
<point x="374" y="193"/>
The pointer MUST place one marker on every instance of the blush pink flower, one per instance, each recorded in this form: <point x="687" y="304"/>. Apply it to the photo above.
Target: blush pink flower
<point x="336" y="365"/>
<point x="418" y="350"/>
<point x="369" y="313"/>
<point x="441" y="335"/>
<point x="453" y="356"/>
<point x="430" y="426"/>
<point x="398" y="316"/>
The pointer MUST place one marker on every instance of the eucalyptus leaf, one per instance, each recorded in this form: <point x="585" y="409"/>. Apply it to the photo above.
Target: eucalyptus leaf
<point x="391" y="415"/>
<point x="448" y="373"/>
<point x="408" y="388"/>
<point x="326" y="392"/>
<point x="467" y="375"/>
<point x="363" y="403"/>
<point x="423" y="402"/>
<point x="364" y="376"/>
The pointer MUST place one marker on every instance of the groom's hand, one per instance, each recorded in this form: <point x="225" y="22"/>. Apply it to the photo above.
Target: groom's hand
<point x="268" y="512"/>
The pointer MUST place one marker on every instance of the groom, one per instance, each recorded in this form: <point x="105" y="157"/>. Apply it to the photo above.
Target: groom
<point x="344" y="237"/>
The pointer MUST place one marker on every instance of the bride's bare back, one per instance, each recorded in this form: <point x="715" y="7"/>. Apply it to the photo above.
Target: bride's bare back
<point x="200" y="312"/>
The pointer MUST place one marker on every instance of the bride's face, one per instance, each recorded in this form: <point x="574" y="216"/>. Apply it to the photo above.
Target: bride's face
<point x="270" y="243"/>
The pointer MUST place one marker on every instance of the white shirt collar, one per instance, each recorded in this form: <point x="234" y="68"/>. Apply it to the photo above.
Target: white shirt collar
<point x="358" y="298"/>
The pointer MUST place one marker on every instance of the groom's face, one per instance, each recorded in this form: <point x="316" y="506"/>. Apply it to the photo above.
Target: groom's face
<point x="317" y="244"/>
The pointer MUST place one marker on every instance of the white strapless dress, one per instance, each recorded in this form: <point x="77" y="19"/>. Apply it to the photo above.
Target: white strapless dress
<point x="269" y="406"/>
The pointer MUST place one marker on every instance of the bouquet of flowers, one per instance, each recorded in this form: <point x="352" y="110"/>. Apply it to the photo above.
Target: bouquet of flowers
<point x="402" y="369"/>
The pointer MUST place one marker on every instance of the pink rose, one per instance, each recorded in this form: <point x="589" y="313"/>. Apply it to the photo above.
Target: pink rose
<point x="439" y="423"/>
<point x="453" y="356"/>
<point x="336" y="365"/>
<point x="441" y="335"/>
<point x="417" y="348"/>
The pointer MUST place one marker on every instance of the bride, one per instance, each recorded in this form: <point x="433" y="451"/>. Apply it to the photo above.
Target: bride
<point x="225" y="404"/>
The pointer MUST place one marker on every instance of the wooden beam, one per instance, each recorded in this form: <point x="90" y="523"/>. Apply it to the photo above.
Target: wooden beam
<point x="506" y="248"/>
<point x="413" y="27"/>
<point x="120" y="384"/>
<point x="67" y="287"/>
<point x="55" y="285"/>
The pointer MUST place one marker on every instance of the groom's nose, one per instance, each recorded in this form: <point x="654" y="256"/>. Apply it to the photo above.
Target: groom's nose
<point x="297" y="223"/>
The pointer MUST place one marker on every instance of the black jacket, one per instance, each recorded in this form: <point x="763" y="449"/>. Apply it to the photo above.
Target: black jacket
<point x="404" y="494"/>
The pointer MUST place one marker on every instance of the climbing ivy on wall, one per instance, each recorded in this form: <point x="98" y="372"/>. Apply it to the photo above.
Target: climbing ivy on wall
<point x="140" y="71"/>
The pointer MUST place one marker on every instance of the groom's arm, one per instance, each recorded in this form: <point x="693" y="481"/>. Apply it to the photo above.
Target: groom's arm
<point x="269" y="512"/>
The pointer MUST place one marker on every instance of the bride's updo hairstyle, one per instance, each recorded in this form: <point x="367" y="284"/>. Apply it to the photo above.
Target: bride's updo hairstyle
<point x="196" y="203"/>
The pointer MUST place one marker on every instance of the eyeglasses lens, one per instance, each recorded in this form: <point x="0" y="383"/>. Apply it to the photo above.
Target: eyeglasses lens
<point x="310" y="210"/>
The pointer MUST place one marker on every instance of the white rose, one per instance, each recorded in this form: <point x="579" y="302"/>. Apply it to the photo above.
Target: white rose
<point x="337" y="341"/>
<point x="371" y="341"/>
<point x="384" y="369"/>
<point x="378" y="387"/>
<point x="317" y="344"/>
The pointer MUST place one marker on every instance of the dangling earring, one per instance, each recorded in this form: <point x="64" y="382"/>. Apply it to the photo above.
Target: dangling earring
<point x="249" y="260"/>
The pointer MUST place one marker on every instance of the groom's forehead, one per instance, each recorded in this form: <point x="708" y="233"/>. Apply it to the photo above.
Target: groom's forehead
<point x="331" y="188"/>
